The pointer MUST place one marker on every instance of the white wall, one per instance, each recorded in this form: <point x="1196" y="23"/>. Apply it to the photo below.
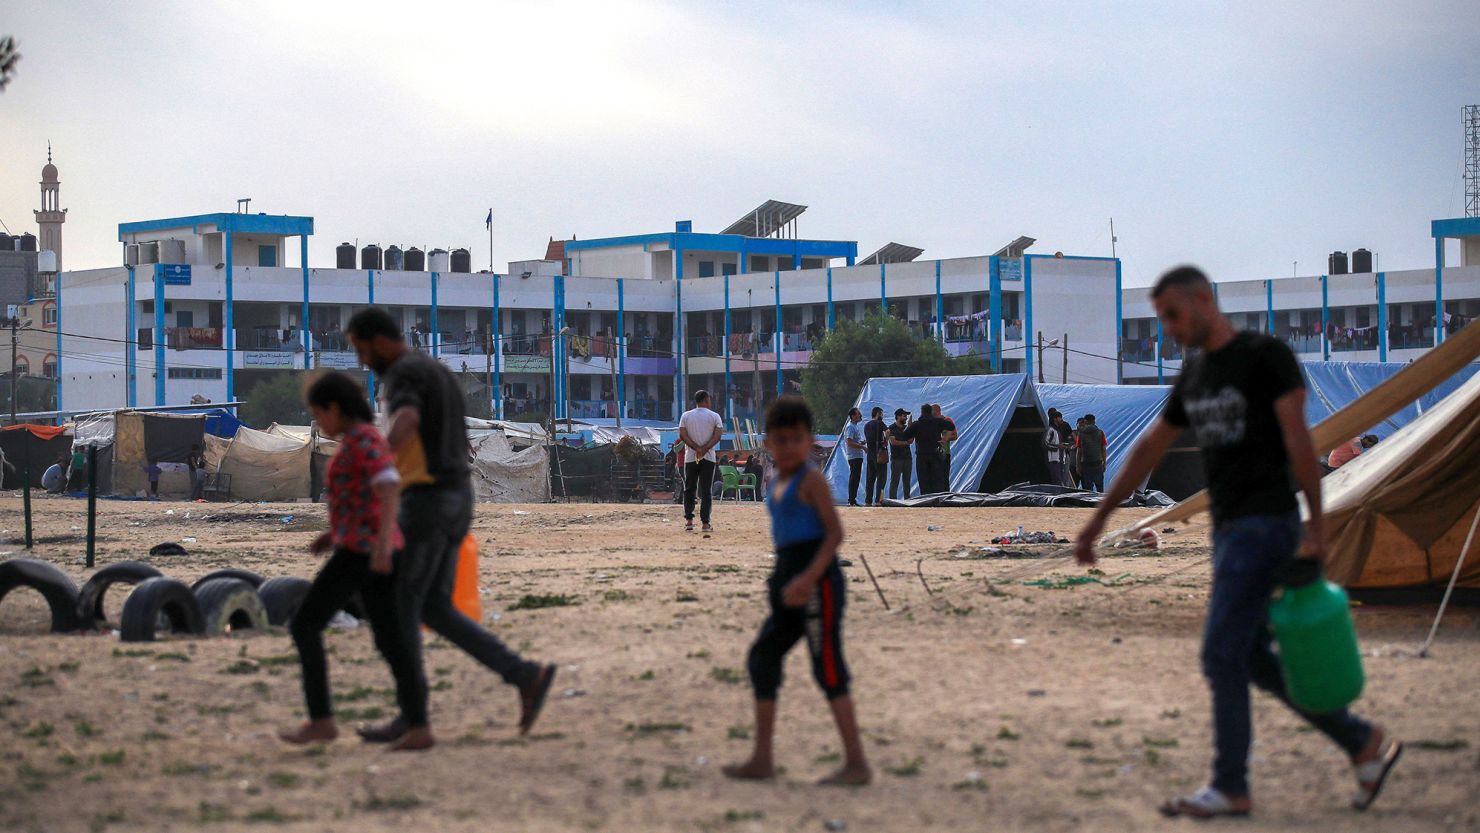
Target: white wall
<point x="1063" y="297"/>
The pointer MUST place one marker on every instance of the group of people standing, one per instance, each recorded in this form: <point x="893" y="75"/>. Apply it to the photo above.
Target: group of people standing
<point x="1076" y="456"/>
<point x="882" y="452"/>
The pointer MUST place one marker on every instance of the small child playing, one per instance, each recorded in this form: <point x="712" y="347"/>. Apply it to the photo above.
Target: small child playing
<point x="153" y="471"/>
<point x="363" y="491"/>
<point x="806" y="595"/>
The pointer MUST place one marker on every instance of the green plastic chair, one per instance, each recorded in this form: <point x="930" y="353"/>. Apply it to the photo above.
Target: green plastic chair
<point x="732" y="479"/>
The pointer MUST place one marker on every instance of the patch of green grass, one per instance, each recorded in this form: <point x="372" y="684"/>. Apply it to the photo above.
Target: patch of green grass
<point x="131" y="652"/>
<point x="112" y="758"/>
<point x="367" y="713"/>
<point x="634" y="785"/>
<point x="643" y="730"/>
<point x="1159" y="743"/>
<point x="685" y="596"/>
<point x="1171" y="714"/>
<point x="443" y="671"/>
<point x="829" y="758"/>
<point x="1107" y="723"/>
<point x="277" y="660"/>
<point x="67" y="759"/>
<point x="36" y="677"/>
<point x="1153" y="758"/>
<point x="100" y="822"/>
<point x="360" y="692"/>
<point x="1084" y="793"/>
<point x="726" y="675"/>
<point x="1453" y="745"/>
<point x="617" y="596"/>
<point x="181" y="768"/>
<point x="971" y="784"/>
<point x="153" y="735"/>
<point x="1007" y="734"/>
<point x="40" y="730"/>
<point x="69" y="667"/>
<point x="647" y="675"/>
<point x="908" y="768"/>
<point x="700" y="654"/>
<point x="442" y="685"/>
<point x="172" y="656"/>
<point x="737" y="816"/>
<point x="674" y="778"/>
<point x="85" y="729"/>
<point x="402" y="801"/>
<point x="738" y="733"/>
<point x="284" y="780"/>
<point x="1079" y="743"/>
<point x="241" y="666"/>
<point x="531" y="601"/>
<point x="208" y="813"/>
<point x="266" y="815"/>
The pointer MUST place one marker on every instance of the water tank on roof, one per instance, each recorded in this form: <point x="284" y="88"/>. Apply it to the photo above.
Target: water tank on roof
<point x="395" y="259"/>
<point x="172" y="251"/>
<point x="26" y="243"/>
<point x="437" y="260"/>
<point x="149" y="252"/>
<point x="1336" y="264"/>
<point x="370" y="257"/>
<point x="1361" y="262"/>
<point x="344" y="256"/>
<point x="131" y="254"/>
<point x="461" y="261"/>
<point x="7" y="243"/>
<point x="416" y="260"/>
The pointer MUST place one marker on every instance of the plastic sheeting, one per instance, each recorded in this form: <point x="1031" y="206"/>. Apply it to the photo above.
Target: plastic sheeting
<point x="503" y="475"/>
<point x="1334" y="385"/>
<point x="1027" y="494"/>
<point x="262" y="466"/>
<point x="981" y="406"/>
<point x="1123" y="412"/>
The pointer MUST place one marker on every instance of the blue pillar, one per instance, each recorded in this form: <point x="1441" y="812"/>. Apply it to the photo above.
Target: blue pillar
<point x="780" y="339"/>
<point x="851" y="257"/>
<point x="883" y="293"/>
<point x="370" y="299"/>
<point x="729" y="397"/>
<point x="621" y="347"/>
<point x="680" y="381"/>
<point x="228" y="318"/>
<point x="1160" y="370"/>
<point x="303" y="240"/>
<point x="1119" y="327"/>
<point x="940" y="308"/>
<point x="1269" y="306"/>
<point x="1028" y="331"/>
<point x="1325" y="318"/>
<point x="994" y="311"/>
<point x="1382" y="313"/>
<point x="1438" y="291"/>
<point x="832" y="319"/>
<point x="159" y="369"/>
<point x="436" y="334"/>
<point x="130" y="345"/>
<point x="498" y="360"/>
<point x="557" y="349"/>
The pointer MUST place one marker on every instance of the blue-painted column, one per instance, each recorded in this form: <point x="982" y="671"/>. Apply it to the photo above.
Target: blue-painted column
<point x="1438" y="291"/>
<point x="780" y="337"/>
<point x="1029" y="334"/>
<point x="832" y="318"/>
<point x="498" y="359"/>
<point x="1325" y="318"/>
<point x="370" y="299"/>
<point x="557" y="349"/>
<point x="994" y="311"/>
<point x="1119" y="326"/>
<point x="681" y="382"/>
<point x="159" y="369"/>
<point x="621" y="347"/>
<point x="130" y="344"/>
<point x="851" y="258"/>
<point x="1161" y="378"/>
<point x="228" y="319"/>
<point x="729" y="395"/>
<point x="940" y="309"/>
<point x="436" y="334"/>
<point x="1269" y="306"/>
<point x="1382" y="314"/>
<point x="883" y="292"/>
<point x="796" y="260"/>
<point x="303" y="240"/>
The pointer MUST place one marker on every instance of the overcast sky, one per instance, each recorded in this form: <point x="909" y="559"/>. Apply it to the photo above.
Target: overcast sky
<point x="1240" y="136"/>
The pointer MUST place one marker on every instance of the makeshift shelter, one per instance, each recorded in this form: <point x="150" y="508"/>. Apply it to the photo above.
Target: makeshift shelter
<point x="221" y="423"/>
<point x="998" y="418"/>
<point x="36" y="446"/>
<point x="127" y="441"/>
<point x="1124" y="413"/>
<point x="1332" y="386"/>
<point x="261" y="465"/>
<point x="1397" y="515"/>
<point x="503" y="475"/>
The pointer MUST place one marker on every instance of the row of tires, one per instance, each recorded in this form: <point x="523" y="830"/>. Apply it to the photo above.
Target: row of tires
<point x="220" y="602"/>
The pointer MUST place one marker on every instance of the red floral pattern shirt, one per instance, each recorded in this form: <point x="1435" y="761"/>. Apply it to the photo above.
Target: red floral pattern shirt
<point x="362" y="460"/>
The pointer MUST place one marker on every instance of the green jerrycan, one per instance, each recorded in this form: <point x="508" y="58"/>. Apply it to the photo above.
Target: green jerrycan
<point x="1312" y="624"/>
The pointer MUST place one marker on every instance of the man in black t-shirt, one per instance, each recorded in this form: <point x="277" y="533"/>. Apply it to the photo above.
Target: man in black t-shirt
<point x="428" y="435"/>
<point x="878" y="459"/>
<point x="927" y="431"/>
<point x="899" y="455"/>
<point x="1244" y="398"/>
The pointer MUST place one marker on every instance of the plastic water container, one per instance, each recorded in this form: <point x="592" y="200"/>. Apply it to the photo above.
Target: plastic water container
<point x="1312" y="624"/>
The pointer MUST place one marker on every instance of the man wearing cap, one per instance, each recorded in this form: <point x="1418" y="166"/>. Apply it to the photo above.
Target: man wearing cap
<point x="1055" y="443"/>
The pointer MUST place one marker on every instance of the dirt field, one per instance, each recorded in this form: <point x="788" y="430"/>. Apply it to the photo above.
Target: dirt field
<point x="990" y="705"/>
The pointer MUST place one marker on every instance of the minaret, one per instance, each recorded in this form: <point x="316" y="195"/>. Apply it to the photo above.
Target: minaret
<point x="52" y="215"/>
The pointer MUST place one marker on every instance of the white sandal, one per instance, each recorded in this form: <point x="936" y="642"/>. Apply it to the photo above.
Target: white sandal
<point x="1373" y="774"/>
<point x="1206" y="803"/>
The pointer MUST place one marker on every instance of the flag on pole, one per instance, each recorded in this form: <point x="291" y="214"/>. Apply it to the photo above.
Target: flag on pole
<point x="489" y="221"/>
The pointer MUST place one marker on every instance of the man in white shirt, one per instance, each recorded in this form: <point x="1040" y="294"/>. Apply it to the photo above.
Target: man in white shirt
<point x="855" y="448"/>
<point x="699" y="428"/>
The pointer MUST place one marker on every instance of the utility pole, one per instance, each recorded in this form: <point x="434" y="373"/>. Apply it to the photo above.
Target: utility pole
<point x="611" y="364"/>
<point x="1040" y="357"/>
<point x="15" y="376"/>
<point x="488" y="366"/>
<point x="1113" y="238"/>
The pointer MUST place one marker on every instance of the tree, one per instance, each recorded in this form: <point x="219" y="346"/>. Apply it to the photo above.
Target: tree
<point x="854" y="352"/>
<point x="9" y="57"/>
<point x="278" y="397"/>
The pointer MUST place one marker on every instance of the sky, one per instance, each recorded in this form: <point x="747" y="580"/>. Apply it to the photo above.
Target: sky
<point x="1245" y="137"/>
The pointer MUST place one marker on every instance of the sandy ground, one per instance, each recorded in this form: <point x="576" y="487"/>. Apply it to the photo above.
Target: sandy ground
<point x="990" y="704"/>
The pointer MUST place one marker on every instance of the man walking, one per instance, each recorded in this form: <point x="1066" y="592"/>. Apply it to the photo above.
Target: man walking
<point x="428" y="435"/>
<point x="1090" y="446"/>
<point x="899" y="455"/>
<point x="878" y="459"/>
<point x="1244" y="398"/>
<point x="700" y="430"/>
<point x="1054" y="443"/>
<point x="855" y="448"/>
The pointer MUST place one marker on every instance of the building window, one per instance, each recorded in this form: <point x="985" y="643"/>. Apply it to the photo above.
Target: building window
<point x="49" y="317"/>
<point x="22" y="365"/>
<point x="195" y="373"/>
<point x="760" y="263"/>
<point x="49" y="369"/>
<point x="706" y="268"/>
<point x="267" y="255"/>
<point x="727" y="268"/>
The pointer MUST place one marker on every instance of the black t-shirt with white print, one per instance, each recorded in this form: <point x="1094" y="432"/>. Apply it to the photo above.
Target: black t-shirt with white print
<point x="1228" y="397"/>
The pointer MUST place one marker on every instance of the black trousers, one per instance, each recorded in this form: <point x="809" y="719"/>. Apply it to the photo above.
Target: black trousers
<point x="435" y="521"/>
<point x="344" y="574"/>
<point x="928" y="467"/>
<point x="855" y="473"/>
<point x="877" y="473"/>
<point x="820" y="621"/>
<point x="899" y="473"/>
<point x="698" y="482"/>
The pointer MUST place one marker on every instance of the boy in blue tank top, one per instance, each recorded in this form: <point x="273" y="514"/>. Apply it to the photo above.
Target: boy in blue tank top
<point x="806" y="595"/>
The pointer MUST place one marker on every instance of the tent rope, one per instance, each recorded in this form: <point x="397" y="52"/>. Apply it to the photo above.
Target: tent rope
<point x="1453" y="578"/>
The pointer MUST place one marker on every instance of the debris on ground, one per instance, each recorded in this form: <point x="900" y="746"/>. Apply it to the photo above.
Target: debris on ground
<point x="1021" y="537"/>
<point x="1074" y="581"/>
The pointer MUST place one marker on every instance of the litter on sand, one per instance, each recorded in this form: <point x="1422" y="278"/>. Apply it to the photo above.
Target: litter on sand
<point x="1021" y="537"/>
<point x="1074" y="581"/>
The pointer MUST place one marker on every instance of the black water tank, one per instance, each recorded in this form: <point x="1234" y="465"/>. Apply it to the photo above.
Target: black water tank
<point x="461" y="261"/>
<point x="394" y="259"/>
<point x="28" y="242"/>
<point x="416" y="260"/>
<point x="1336" y="264"/>
<point x="344" y="256"/>
<point x="7" y="243"/>
<point x="370" y="257"/>
<point x="1361" y="262"/>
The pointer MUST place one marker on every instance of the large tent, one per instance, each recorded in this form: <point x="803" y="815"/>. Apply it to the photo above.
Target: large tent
<point x="1397" y="516"/>
<point x="36" y="446"/>
<point x="1124" y="413"/>
<point x="262" y="465"/>
<point x="1334" y="385"/>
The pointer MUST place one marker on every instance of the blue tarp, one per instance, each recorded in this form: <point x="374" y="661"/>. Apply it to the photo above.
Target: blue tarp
<point x="981" y="406"/>
<point x="1334" y="385"/>
<point x="1123" y="412"/>
<point x="221" y="423"/>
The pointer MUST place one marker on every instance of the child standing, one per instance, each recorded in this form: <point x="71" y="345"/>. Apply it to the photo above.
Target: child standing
<point x="806" y="595"/>
<point x="363" y="490"/>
